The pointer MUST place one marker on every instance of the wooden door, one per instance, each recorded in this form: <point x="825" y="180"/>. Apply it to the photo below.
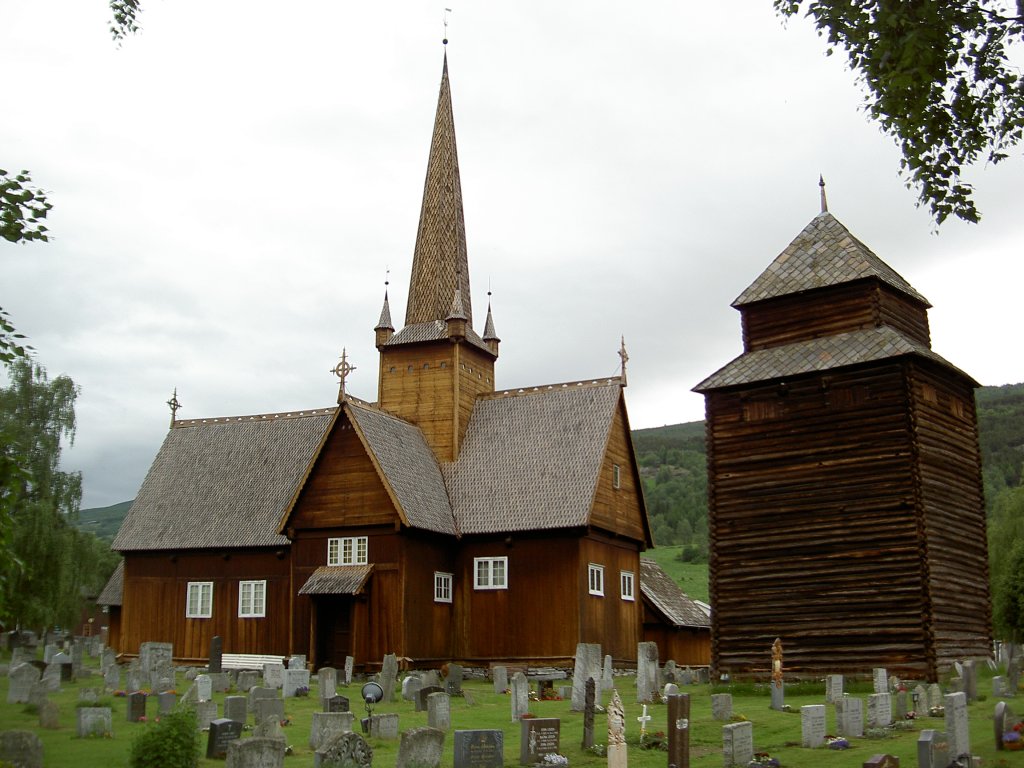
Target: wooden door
<point x="333" y="630"/>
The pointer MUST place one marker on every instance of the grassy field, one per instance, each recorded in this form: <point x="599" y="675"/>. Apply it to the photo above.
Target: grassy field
<point x="775" y="732"/>
<point x="692" y="577"/>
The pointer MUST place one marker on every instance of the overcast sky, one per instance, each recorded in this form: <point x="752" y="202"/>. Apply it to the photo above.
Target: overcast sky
<point x="230" y="186"/>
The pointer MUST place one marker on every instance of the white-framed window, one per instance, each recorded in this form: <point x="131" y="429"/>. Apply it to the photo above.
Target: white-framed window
<point x="442" y="587"/>
<point x="626" y="585"/>
<point x="348" y="550"/>
<point x="595" y="577"/>
<point x="199" y="604"/>
<point x="490" y="572"/>
<point x="252" y="599"/>
<point x="616" y="476"/>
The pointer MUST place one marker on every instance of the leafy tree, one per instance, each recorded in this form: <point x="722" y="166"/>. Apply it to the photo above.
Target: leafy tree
<point x="938" y="81"/>
<point x="1008" y="598"/>
<point x="22" y="210"/>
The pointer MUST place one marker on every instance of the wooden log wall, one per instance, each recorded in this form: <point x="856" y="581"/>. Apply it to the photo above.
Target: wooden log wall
<point x="813" y="525"/>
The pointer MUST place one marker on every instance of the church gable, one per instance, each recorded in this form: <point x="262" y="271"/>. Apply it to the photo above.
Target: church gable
<point x="619" y="501"/>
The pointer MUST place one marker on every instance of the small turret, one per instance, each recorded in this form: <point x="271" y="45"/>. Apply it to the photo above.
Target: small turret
<point x="456" y="318"/>
<point x="384" y="329"/>
<point x="490" y="337"/>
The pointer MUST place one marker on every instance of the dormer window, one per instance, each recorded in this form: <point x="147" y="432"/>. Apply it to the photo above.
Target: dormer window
<point x="349" y="550"/>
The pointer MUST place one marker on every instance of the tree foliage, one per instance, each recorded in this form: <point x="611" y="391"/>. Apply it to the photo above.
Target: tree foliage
<point x="124" y="21"/>
<point x="23" y="208"/>
<point x="938" y="81"/>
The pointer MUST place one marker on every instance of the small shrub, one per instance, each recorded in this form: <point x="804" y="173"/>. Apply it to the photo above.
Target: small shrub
<point x="173" y="742"/>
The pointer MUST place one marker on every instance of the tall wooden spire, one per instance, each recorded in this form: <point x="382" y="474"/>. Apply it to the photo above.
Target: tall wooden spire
<point x="440" y="256"/>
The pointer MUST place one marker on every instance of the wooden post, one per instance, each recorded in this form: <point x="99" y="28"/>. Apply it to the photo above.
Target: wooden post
<point x="679" y="730"/>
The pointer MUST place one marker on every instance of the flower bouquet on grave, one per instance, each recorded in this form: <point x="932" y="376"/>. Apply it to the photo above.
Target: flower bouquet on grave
<point x="1012" y="739"/>
<point x="836" y="742"/>
<point x="764" y="760"/>
<point x="302" y="690"/>
<point x="553" y="759"/>
<point x="654" y="740"/>
<point x="939" y="711"/>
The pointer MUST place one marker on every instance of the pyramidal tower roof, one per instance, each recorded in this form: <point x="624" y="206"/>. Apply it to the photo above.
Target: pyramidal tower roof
<point x="822" y="255"/>
<point x="440" y="257"/>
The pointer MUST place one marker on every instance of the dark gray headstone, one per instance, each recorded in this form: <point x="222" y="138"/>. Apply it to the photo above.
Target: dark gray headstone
<point x="257" y="752"/>
<point x="349" y="750"/>
<point x="337" y="703"/>
<point x="21" y="749"/>
<point x="222" y="733"/>
<point x="932" y="749"/>
<point x="166" y="702"/>
<point x="589" y="698"/>
<point x="423" y="693"/>
<point x="479" y="749"/>
<point x="538" y="736"/>
<point x="882" y="761"/>
<point x="136" y="706"/>
<point x="420" y="748"/>
<point x="453" y="683"/>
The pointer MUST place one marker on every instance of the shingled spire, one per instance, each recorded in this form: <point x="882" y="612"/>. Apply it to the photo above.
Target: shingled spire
<point x="440" y="256"/>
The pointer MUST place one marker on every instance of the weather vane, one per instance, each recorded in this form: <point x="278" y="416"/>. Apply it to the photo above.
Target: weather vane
<point x="446" y="12"/>
<point x="342" y="370"/>
<point x="174" y="405"/>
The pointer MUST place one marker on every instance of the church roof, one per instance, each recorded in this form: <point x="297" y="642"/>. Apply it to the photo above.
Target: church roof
<point x="436" y="330"/>
<point x="531" y="458"/>
<point x="408" y="468"/>
<point x="223" y="482"/>
<point x="820" y="354"/>
<point x="440" y="259"/>
<point x="114" y="589"/>
<point x="666" y="596"/>
<point x="337" y="580"/>
<point x="823" y="254"/>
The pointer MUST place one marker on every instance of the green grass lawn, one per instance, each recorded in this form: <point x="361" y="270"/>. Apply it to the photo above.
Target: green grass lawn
<point x="774" y="732"/>
<point x="691" y="577"/>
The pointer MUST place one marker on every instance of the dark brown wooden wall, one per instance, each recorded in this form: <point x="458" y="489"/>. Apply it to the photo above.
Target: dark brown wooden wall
<point x="687" y="646"/>
<point x="620" y="510"/>
<point x="427" y="626"/>
<point x="609" y="620"/>
<point x="155" y="590"/>
<point x="813" y="524"/>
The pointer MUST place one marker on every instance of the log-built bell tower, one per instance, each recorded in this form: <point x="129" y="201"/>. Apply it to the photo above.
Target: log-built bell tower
<point x="432" y="370"/>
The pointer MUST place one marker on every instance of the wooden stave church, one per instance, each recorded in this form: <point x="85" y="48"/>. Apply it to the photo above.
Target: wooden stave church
<point x="442" y="474"/>
<point x="846" y="506"/>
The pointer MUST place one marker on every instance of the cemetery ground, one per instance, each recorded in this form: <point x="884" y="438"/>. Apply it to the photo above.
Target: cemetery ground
<point x="778" y="733"/>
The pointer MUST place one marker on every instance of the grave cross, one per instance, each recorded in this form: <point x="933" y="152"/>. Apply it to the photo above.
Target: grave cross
<point x="644" y="719"/>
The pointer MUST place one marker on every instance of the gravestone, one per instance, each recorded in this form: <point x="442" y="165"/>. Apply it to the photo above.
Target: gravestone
<point x="850" y="717"/>
<point x="932" y="749"/>
<point x="206" y="713"/>
<point x="957" y="731"/>
<point x="423" y="693"/>
<point x="204" y="688"/>
<point x="270" y="728"/>
<point x="349" y="664"/>
<point x="236" y="708"/>
<point x="778" y="690"/>
<point x="879" y="710"/>
<point x="679" y="730"/>
<point x="920" y="698"/>
<point x="327" y="725"/>
<point x="162" y="678"/>
<point x="256" y="752"/>
<point x="20" y="681"/>
<point x="219" y="681"/>
<point x="420" y="748"/>
<point x="671" y="689"/>
<point x="538" y="736"/>
<point x="970" y="677"/>
<point x="589" y="698"/>
<point x="216" y="654"/>
<point x="38" y="695"/>
<point x="264" y="708"/>
<point x="934" y="696"/>
<point x="112" y="678"/>
<point x="167" y="701"/>
<point x="136" y="706"/>
<point x="812" y="726"/>
<point x="737" y="744"/>
<point x="258" y="692"/>
<point x="297" y="661"/>
<point x="880" y="679"/>
<point x="587" y="665"/>
<point x="882" y="761"/>
<point x="703" y="675"/>
<point x="296" y="683"/>
<point x="327" y="682"/>
<point x="49" y="651"/>
<point x="833" y="688"/>
<point x="63" y="662"/>
<point x="151" y="655"/>
<point x="51" y="678"/>
<point x="902" y="708"/>
<point x="607" y="679"/>
<point x="479" y="749"/>
<point x="520" y="695"/>
<point x="247" y="678"/>
<point x="337" y="703"/>
<point x="439" y="711"/>
<point x="1013" y="676"/>
<point x="430" y="679"/>
<point x="384" y="726"/>
<point x="500" y="674"/>
<point x="349" y="750"/>
<point x="77" y="656"/>
<point x="222" y="733"/>
<point x="273" y="675"/>
<point x="389" y="676"/>
<point x="646" y="672"/>
<point x="410" y="686"/>
<point x="686" y="677"/>
<point x="721" y="706"/>
<point x="998" y="687"/>
<point x="49" y="715"/>
<point x="133" y="676"/>
<point x="1004" y="722"/>
<point x="21" y="749"/>
<point x="93" y="721"/>
<point x="617" y="731"/>
<point x="453" y="683"/>
<point x="108" y="659"/>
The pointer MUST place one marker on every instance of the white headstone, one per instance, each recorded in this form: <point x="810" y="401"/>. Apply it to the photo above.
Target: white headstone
<point x="956" y="725"/>
<point x="879" y="710"/>
<point x="880" y="677"/>
<point x="738" y="744"/>
<point x="204" y="687"/>
<point x="812" y="725"/>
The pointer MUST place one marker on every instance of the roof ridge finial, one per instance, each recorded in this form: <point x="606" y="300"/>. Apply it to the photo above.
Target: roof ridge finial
<point x="342" y="371"/>
<point x="174" y="405"/>
<point x="824" y="202"/>
<point x="444" y="40"/>
<point x="624" y="357"/>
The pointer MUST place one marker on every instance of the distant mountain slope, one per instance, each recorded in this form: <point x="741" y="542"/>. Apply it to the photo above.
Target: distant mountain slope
<point x="103" y="521"/>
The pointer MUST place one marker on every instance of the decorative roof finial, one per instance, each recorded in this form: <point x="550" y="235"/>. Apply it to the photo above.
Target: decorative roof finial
<point x="174" y="405"/>
<point x="824" y="202"/>
<point x="625" y="358"/>
<point x="342" y="370"/>
<point x="446" y="12"/>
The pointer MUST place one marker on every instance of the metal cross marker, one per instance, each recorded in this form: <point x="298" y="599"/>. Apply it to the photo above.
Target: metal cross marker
<point x="174" y="405"/>
<point x="644" y="719"/>
<point x="342" y="370"/>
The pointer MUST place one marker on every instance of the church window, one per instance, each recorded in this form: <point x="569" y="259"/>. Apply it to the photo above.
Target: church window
<point x="626" y="585"/>
<point x="596" y="578"/>
<point x="252" y="599"/>
<point x="490" y="572"/>
<point x="200" y="600"/>
<point x="410" y="369"/>
<point x="444" y="364"/>
<point x="426" y="366"/>
<point x="442" y="587"/>
<point x="616" y="476"/>
<point x="349" y="550"/>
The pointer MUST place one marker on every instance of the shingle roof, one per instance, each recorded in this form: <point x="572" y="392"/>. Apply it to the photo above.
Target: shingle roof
<point x="666" y="596"/>
<point x="531" y="459"/>
<point x="337" y="580"/>
<point x="821" y="354"/>
<point x="409" y="467"/>
<point x="113" y="590"/>
<point x="223" y="482"/>
<point x="435" y="330"/>
<point x="823" y="254"/>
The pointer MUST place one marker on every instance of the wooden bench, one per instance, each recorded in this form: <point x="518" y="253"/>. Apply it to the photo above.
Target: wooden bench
<point x="248" y="661"/>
